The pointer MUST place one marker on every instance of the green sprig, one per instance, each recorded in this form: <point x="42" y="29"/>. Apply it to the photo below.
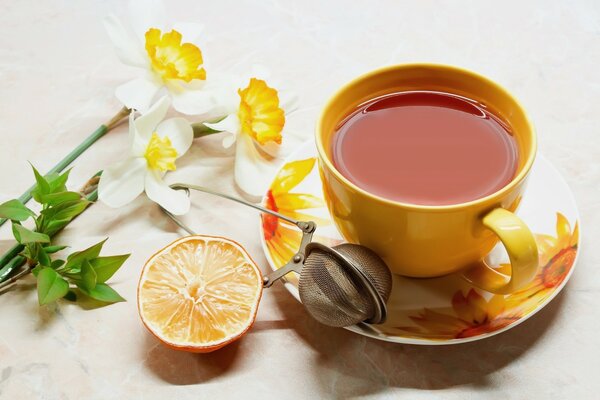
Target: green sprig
<point x="85" y="270"/>
<point x="75" y="153"/>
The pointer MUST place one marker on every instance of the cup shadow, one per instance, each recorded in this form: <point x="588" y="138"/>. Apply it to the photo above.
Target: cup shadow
<point x="352" y="365"/>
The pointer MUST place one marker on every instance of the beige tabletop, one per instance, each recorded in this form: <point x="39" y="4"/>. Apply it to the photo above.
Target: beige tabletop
<point x="58" y="73"/>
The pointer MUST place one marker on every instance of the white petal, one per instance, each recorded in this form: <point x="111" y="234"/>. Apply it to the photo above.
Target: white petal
<point x="178" y="85"/>
<point x="128" y="47"/>
<point x="137" y="94"/>
<point x="193" y="102"/>
<point x="137" y="143"/>
<point x="131" y="126"/>
<point x="122" y="182"/>
<point x="175" y="201"/>
<point x="271" y="148"/>
<point x="253" y="172"/>
<point x="230" y="124"/>
<point x="191" y="32"/>
<point x="146" y="14"/>
<point x="289" y="101"/>
<point x="260" y="71"/>
<point x="179" y="131"/>
<point x="224" y="89"/>
<point x="229" y="139"/>
<point x="146" y="124"/>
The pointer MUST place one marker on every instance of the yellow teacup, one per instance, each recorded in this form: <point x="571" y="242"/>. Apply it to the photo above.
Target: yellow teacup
<point x="427" y="241"/>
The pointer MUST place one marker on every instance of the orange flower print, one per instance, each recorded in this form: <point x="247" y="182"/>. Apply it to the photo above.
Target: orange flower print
<point x="557" y="255"/>
<point x="472" y="315"/>
<point x="283" y="238"/>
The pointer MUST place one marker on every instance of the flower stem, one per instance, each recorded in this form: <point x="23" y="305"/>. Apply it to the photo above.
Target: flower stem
<point x="9" y="255"/>
<point x="10" y="267"/>
<point x="201" y="130"/>
<point x="73" y="155"/>
<point x="15" y="278"/>
<point x="11" y="261"/>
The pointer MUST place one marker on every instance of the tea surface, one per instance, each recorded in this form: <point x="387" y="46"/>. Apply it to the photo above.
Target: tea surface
<point x="427" y="148"/>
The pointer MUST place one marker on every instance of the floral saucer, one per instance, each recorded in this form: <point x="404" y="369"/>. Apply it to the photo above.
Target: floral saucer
<point x="448" y="309"/>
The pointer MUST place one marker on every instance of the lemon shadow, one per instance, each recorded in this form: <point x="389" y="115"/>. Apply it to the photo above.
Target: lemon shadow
<point x="182" y="368"/>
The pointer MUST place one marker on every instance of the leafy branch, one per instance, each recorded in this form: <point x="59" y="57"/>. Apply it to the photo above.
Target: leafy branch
<point x="85" y="270"/>
<point x="76" y="152"/>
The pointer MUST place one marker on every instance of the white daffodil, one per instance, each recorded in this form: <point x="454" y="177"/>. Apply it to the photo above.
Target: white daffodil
<point x="169" y="60"/>
<point x="155" y="145"/>
<point x="256" y="127"/>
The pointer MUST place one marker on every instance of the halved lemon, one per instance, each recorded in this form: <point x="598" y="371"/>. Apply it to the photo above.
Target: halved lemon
<point x="199" y="293"/>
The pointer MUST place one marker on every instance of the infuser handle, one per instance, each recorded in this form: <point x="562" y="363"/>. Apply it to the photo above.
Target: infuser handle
<point x="307" y="228"/>
<point x="184" y="186"/>
<point x="297" y="262"/>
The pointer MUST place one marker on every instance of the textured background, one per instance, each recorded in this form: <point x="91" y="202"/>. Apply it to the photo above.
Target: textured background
<point x="57" y="77"/>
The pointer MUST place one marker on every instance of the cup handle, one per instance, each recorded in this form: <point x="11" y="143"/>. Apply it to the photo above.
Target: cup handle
<point x="522" y="252"/>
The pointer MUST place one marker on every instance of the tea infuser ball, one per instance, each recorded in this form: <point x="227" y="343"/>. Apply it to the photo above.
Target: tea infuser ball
<point x="344" y="285"/>
<point x="339" y="286"/>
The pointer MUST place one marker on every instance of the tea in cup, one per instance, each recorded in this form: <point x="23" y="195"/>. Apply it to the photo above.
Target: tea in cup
<point x="426" y="164"/>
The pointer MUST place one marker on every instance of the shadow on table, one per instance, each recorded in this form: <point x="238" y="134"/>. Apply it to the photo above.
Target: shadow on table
<point x="352" y="365"/>
<point x="347" y="364"/>
<point x="182" y="368"/>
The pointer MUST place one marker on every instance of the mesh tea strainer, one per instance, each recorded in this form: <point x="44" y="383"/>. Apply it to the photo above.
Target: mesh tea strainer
<point x="339" y="286"/>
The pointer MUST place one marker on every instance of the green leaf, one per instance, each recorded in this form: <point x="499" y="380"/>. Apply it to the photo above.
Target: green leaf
<point x="57" y="217"/>
<point x="72" y="211"/>
<point x="106" y="267"/>
<point x="42" y="257"/>
<point x="24" y="235"/>
<point x="54" y="226"/>
<point x="43" y="187"/>
<point x="73" y="274"/>
<point x="15" y="210"/>
<point x="103" y="292"/>
<point x="51" y="177"/>
<point x="37" y="196"/>
<point x="58" y="182"/>
<point x="56" y="264"/>
<point x="51" y="286"/>
<point x="88" y="276"/>
<point x="36" y="270"/>
<point x="53" y="199"/>
<point x="27" y="252"/>
<point x="52" y="211"/>
<point x="54" y="249"/>
<point x="77" y="257"/>
<point x="70" y="296"/>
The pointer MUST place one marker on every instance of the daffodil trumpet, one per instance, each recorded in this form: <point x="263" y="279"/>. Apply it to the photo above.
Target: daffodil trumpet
<point x="75" y="153"/>
<point x="255" y="124"/>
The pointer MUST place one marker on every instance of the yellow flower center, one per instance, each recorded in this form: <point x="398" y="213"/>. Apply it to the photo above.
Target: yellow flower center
<point x="160" y="154"/>
<point x="171" y="59"/>
<point x="259" y="113"/>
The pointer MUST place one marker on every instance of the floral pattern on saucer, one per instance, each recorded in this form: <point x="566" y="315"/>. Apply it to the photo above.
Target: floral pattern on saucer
<point x="281" y="237"/>
<point x="472" y="315"/>
<point x="440" y="310"/>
